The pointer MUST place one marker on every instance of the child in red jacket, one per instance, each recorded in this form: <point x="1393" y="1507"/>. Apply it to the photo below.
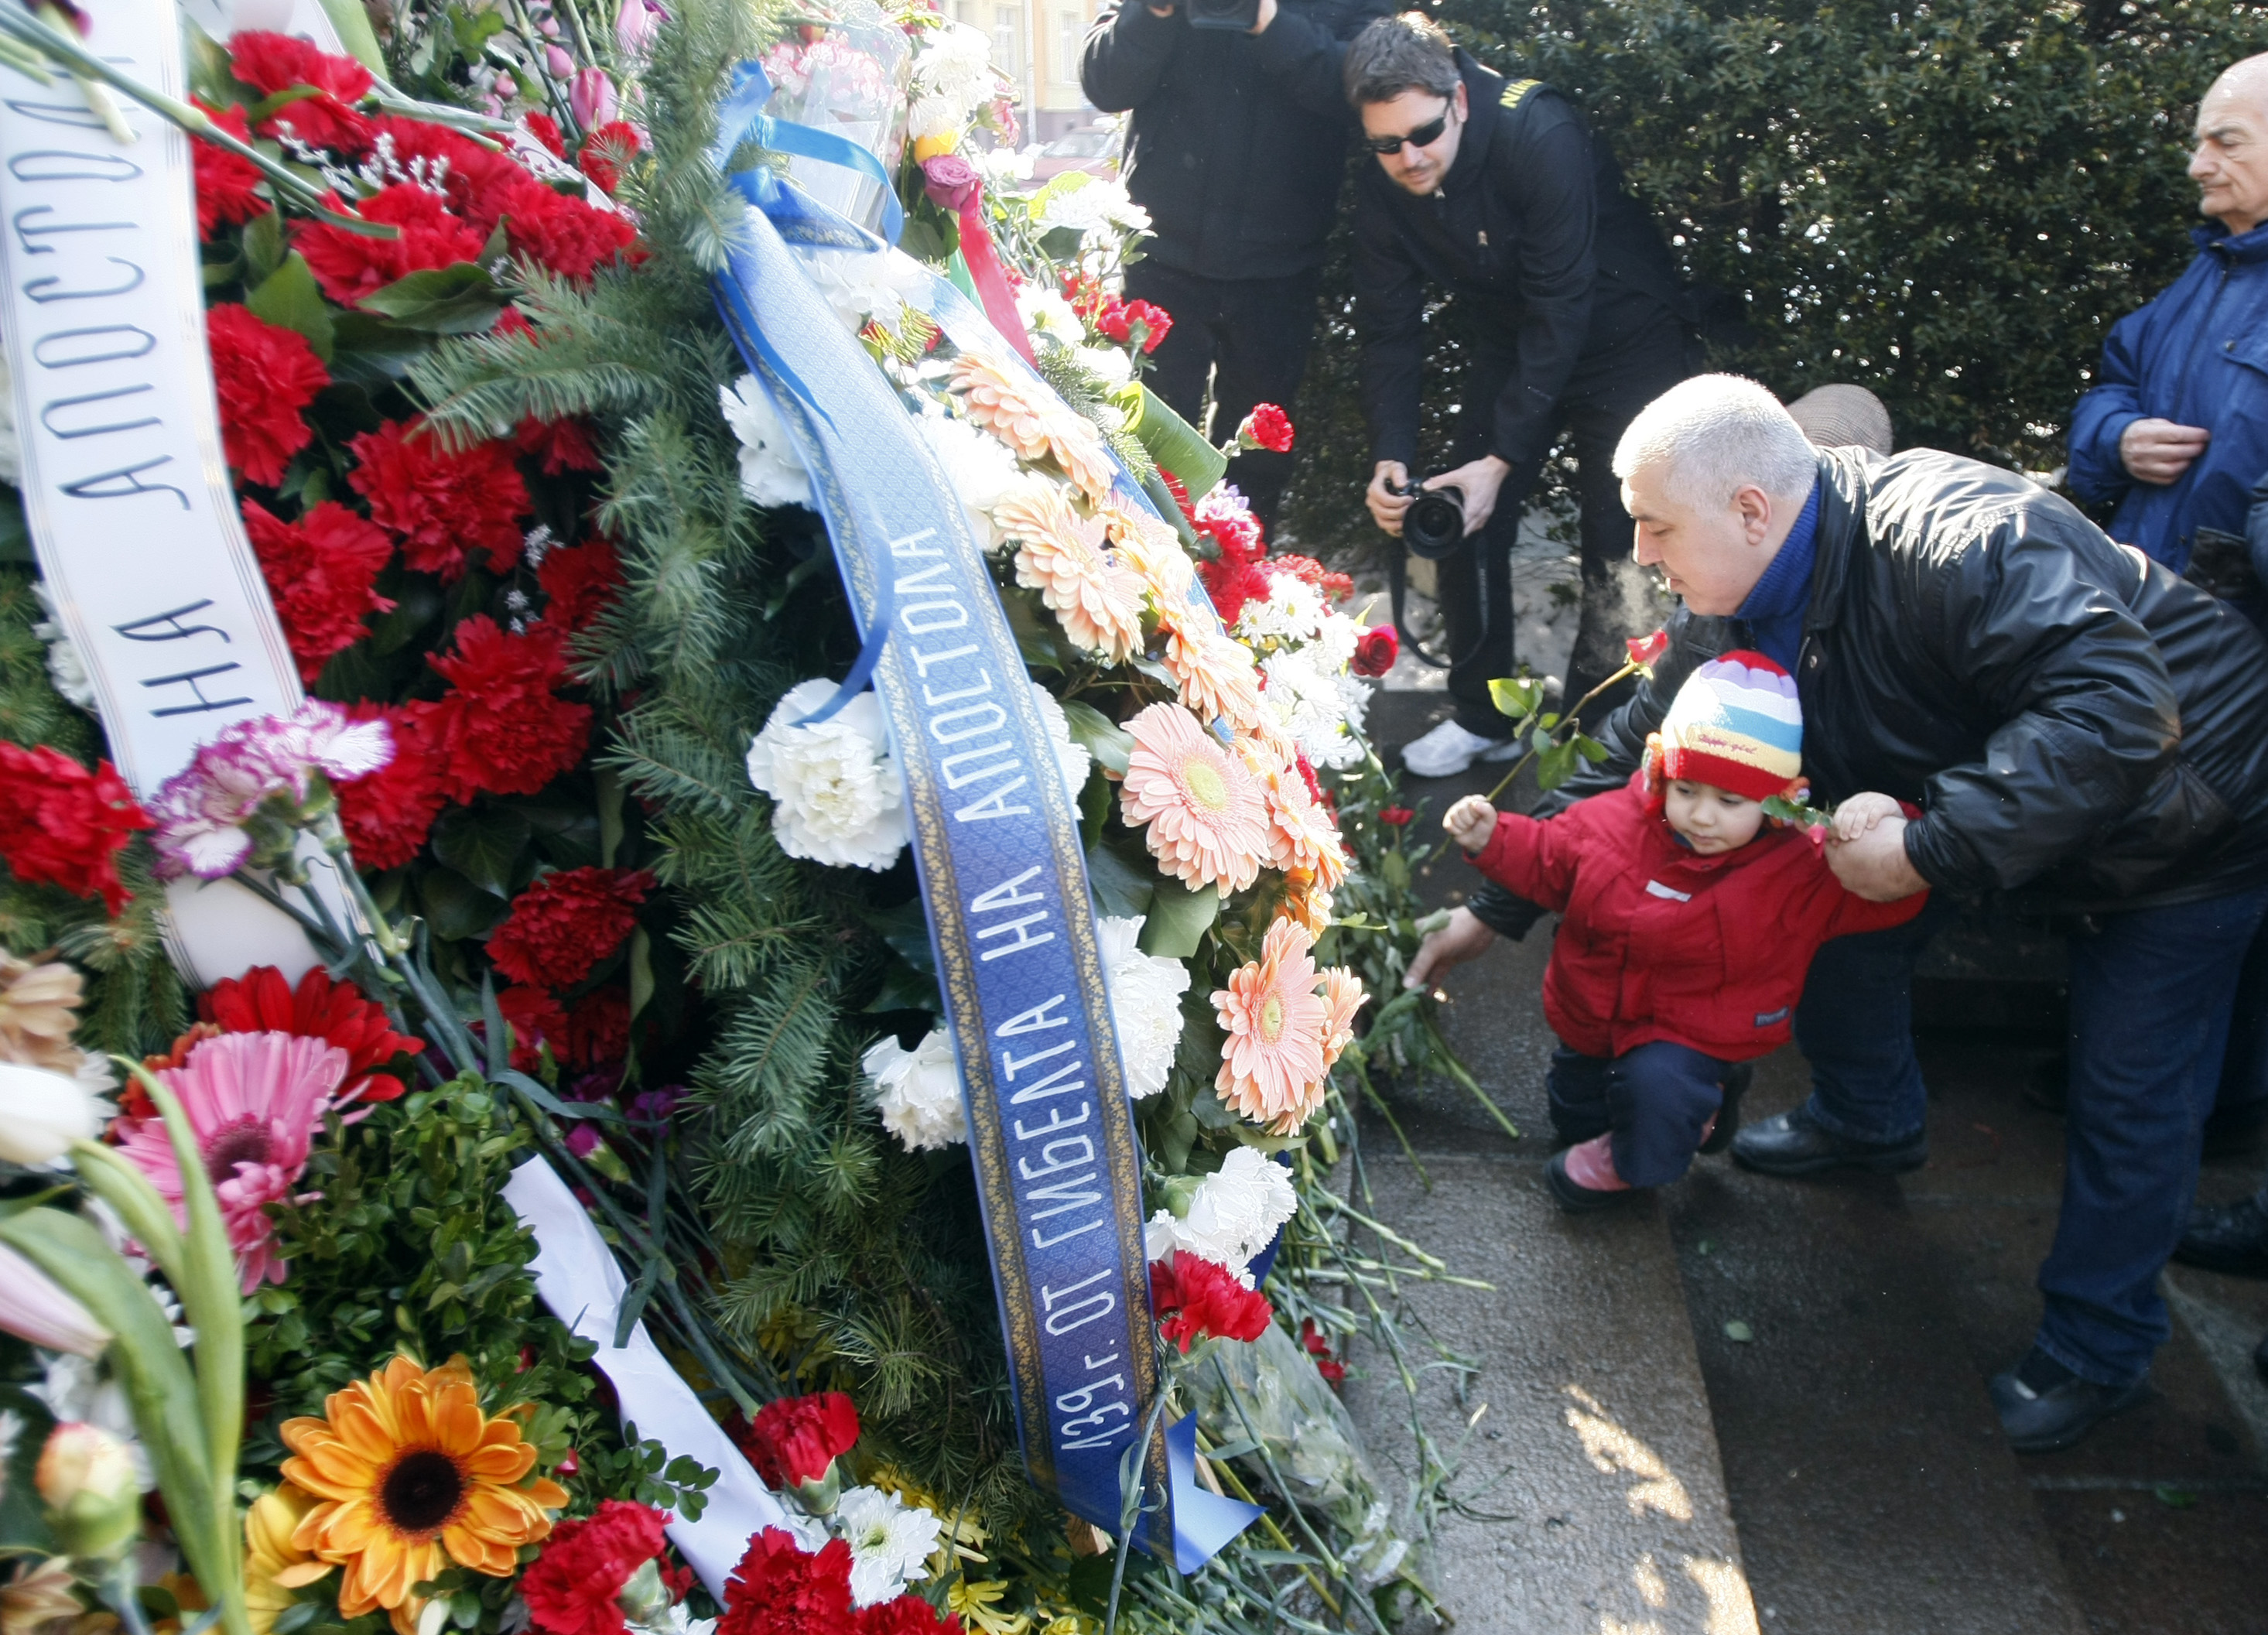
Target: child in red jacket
<point x="1689" y="924"/>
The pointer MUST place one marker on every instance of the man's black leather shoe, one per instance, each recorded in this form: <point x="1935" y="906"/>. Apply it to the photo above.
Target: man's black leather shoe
<point x="1728" y="1111"/>
<point x="1794" y="1144"/>
<point x="2227" y="1237"/>
<point x="2039" y="1420"/>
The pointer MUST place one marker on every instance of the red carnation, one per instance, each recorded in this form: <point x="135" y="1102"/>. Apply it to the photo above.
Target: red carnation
<point x="598" y="1029"/>
<point x="779" y="1590"/>
<point x="441" y="503"/>
<point x="546" y="130"/>
<point x="536" y="1019"/>
<point x="321" y="572"/>
<point x="1231" y="583"/>
<point x="796" y="1437"/>
<point x="350" y="265"/>
<point x="62" y="825"/>
<point x="905" y="1614"/>
<point x="387" y="814"/>
<point x="264" y="376"/>
<point x="1395" y="817"/>
<point x="566" y="922"/>
<point x="579" y="584"/>
<point x="607" y="151"/>
<point x="273" y="63"/>
<point x="261" y="1001"/>
<point x="503" y="729"/>
<point x="1196" y="1298"/>
<point x="1320" y="1349"/>
<point x="226" y="181"/>
<point x="1119" y="320"/>
<point x="570" y="237"/>
<point x="1375" y="653"/>
<point x="558" y="445"/>
<point x="478" y="180"/>
<point x="1266" y="427"/>
<point x="571" y="1587"/>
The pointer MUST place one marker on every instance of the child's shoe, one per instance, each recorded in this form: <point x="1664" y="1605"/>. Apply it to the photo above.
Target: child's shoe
<point x="1583" y="1178"/>
<point x="1726" y="1124"/>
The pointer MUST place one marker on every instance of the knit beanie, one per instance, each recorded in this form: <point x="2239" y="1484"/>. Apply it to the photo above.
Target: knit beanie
<point x="1735" y="725"/>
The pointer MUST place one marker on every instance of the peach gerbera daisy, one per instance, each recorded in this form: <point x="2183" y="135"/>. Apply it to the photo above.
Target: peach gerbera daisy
<point x="1153" y="550"/>
<point x="1272" y="1065"/>
<point x="1061" y="554"/>
<point x="413" y="1475"/>
<point x="1216" y="675"/>
<point x="1344" y="994"/>
<point x="1301" y="836"/>
<point x="1305" y="904"/>
<point x="996" y="398"/>
<point x="1206" y="815"/>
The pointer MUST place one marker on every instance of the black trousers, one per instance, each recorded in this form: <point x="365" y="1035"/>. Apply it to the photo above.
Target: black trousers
<point x="1476" y="582"/>
<point x="1249" y="337"/>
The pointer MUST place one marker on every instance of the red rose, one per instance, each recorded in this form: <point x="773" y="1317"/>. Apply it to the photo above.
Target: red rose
<point x="321" y="572"/>
<point x="1375" y="654"/>
<point x="441" y="503"/>
<point x="1120" y="319"/>
<point x="598" y="1030"/>
<point x="571" y="238"/>
<point x="261" y="1001"/>
<point x="264" y="376"/>
<point x="226" y="181"/>
<point x="536" y="1019"/>
<point x="779" y="1590"/>
<point x="350" y="265"/>
<point x="559" y="445"/>
<point x="567" y="923"/>
<point x="1395" y="817"/>
<point x="1266" y="427"/>
<point x="579" y="583"/>
<point x="504" y="729"/>
<point x="1196" y="1298"/>
<point x="796" y="1437"/>
<point x="1645" y="651"/>
<point x="951" y="182"/>
<point x="387" y="814"/>
<point x="606" y="152"/>
<point x="273" y="63"/>
<point x="62" y="825"/>
<point x="571" y="1587"/>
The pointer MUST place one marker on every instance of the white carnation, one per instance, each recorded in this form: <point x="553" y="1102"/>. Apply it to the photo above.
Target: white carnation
<point x="868" y="285"/>
<point x="838" y="796"/>
<point x="1232" y="1216"/>
<point x="771" y="472"/>
<point x="889" y="1540"/>
<point x="65" y="668"/>
<point x="918" y="1092"/>
<point x="977" y="464"/>
<point x="1145" y="1003"/>
<point x="1070" y="754"/>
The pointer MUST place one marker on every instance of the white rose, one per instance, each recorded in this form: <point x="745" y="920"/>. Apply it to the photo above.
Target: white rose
<point x="1232" y="1215"/>
<point x="889" y="1540"/>
<point x="918" y="1092"/>
<point x="42" y="1113"/>
<point x="771" y="472"/>
<point x="838" y="795"/>
<point x="1145" y="1003"/>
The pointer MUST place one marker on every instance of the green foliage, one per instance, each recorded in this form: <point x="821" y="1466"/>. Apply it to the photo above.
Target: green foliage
<point x="1949" y="204"/>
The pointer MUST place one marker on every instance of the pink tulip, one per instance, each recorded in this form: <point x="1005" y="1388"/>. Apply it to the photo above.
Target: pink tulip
<point x="34" y="1307"/>
<point x="635" y="25"/>
<point x="591" y="97"/>
<point x="557" y="63"/>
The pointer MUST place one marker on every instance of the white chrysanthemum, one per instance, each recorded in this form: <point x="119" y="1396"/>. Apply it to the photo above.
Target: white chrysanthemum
<point x="889" y="1539"/>
<point x="1109" y="365"/>
<point x="1293" y="611"/>
<point x="1232" y="1214"/>
<point x="1145" y="1003"/>
<point x="1337" y="638"/>
<point x="65" y="668"/>
<point x="1004" y="169"/>
<point x="1089" y="204"/>
<point x="837" y="793"/>
<point x="863" y="285"/>
<point x="1046" y="312"/>
<point x="977" y="464"/>
<point x="918" y="1092"/>
<point x="1317" y="704"/>
<point x="771" y="472"/>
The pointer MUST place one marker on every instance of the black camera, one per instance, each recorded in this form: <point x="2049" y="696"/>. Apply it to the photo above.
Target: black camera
<point x="1434" y="524"/>
<point x="1239" y="15"/>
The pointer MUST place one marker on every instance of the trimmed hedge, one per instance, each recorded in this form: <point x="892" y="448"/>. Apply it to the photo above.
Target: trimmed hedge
<point x="1949" y="204"/>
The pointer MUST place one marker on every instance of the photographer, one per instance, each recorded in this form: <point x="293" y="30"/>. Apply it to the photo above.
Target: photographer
<point x="1494" y="190"/>
<point x="1236" y="148"/>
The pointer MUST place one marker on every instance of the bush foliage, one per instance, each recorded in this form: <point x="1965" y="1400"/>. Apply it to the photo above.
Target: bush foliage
<point x="1949" y="204"/>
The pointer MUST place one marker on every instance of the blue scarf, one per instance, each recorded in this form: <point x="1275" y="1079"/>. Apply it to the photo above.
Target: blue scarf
<point x="1774" y="611"/>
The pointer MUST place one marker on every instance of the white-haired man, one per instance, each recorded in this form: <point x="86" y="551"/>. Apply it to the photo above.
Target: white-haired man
<point x="2081" y="730"/>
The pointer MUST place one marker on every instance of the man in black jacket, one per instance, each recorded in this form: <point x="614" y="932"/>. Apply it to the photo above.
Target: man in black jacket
<point x="2081" y="730"/>
<point x="1236" y="148"/>
<point x="1494" y="191"/>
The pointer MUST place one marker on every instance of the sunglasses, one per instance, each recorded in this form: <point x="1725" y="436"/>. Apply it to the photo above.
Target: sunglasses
<point x="1425" y="137"/>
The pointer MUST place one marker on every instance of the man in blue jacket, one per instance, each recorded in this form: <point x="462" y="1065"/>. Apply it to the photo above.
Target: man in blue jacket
<point x="2176" y="430"/>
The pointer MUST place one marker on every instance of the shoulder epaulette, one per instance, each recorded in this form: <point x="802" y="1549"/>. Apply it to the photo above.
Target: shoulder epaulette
<point x="1516" y="92"/>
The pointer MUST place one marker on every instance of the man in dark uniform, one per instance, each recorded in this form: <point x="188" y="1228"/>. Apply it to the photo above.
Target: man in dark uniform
<point x="1236" y="148"/>
<point x="1494" y="190"/>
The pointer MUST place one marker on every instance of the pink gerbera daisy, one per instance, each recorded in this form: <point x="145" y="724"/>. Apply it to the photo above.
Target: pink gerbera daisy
<point x="1216" y="675"/>
<point x="1207" y="818"/>
<point x="1342" y="996"/>
<point x="1096" y="599"/>
<point x="1272" y="1066"/>
<point x="1302" y="838"/>
<point x="254" y="1099"/>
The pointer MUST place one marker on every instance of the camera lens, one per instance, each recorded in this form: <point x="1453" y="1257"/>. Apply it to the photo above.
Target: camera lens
<point x="1434" y="524"/>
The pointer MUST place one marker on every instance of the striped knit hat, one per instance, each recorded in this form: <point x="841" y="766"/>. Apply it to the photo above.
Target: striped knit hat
<point x="1735" y="725"/>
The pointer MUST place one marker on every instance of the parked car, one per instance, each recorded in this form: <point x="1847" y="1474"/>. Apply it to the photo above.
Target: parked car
<point x="1094" y="151"/>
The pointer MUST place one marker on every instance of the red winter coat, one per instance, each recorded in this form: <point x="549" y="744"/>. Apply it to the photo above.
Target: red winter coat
<point x="1661" y="943"/>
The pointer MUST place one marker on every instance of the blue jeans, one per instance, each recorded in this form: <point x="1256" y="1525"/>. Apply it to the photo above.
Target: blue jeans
<point x="1656" y="1100"/>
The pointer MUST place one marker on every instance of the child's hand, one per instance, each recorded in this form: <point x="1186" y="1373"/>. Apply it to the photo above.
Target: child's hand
<point x="1471" y="822"/>
<point x="1859" y="813"/>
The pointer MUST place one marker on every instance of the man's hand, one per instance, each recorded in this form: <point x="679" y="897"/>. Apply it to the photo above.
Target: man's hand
<point x="1471" y="822"/>
<point x="1874" y="865"/>
<point x="1855" y="816"/>
<point x="1267" y="16"/>
<point x="1478" y="483"/>
<point x="1386" y="506"/>
<point x="2159" y="450"/>
<point x="1463" y="937"/>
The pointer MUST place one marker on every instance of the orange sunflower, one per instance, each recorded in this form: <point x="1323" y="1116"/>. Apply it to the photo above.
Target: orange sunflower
<point x="409" y="1468"/>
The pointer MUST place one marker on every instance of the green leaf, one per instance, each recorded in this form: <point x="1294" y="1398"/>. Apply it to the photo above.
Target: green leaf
<point x="1590" y="749"/>
<point x="264" y="248"/>
<point x="483" y="843"/>
<point x="288" y="298"/>
<point x="1037" y="633"/>
<point x="455" y="908"/>
<point x="1795" y="812"/>
<point x="1179" y="919"/>
<point x="1739" y="1332"/>
<point x="367" y="350"/>
<point x="1121" y="876"/>
<point x="458" y="299"/>
<point x="1515" y="697"/>
<point x="2173" y="1497"/>
<point x="1396" y="867"/>
<point x="1554" y="766"/>
<point x="1110" y="744"/>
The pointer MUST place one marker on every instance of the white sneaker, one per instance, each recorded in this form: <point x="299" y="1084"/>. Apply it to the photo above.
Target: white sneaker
<point x="1448" y="749"/>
